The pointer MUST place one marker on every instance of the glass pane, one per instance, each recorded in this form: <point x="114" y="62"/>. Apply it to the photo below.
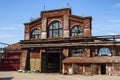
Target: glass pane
<point x="36" y="33"/>
<point x="50" y="33"/>
<point x="73" y="30"/>
<point x="56" y="28"/>
<point x="75" y="27"/>
<point x="56" y="25"/>
<point x="55" y="32"/>
<point x="51" y="26"/>
<point x="60" y="32"/>
<point x="104" y="51"/>
<point x="76" y="31"/>
<point x="60" y="25"/>
<point x="76" y="51"/>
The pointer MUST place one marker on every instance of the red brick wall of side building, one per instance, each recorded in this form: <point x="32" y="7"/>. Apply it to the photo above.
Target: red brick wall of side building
<point x="14" y="55"/>
<point x="11" y="61"/>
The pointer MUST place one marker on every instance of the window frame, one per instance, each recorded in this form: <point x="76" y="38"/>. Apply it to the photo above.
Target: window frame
<point x="104" y="51"/>
<point x="55" y="29"/>
<point x="36" y="33"/>
<point x="76" y="52"/>
<point x="76" y="30"/>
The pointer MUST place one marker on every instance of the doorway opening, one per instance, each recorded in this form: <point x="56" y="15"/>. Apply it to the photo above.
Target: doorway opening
<point x="103" y="69"/>
<point x="51" y="60"/>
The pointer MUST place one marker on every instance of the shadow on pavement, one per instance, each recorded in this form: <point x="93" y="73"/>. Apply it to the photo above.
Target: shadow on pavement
<point x="6" y="78"/>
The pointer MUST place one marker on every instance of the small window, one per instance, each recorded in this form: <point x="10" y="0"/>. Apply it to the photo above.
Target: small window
<point x="104" y="51"/>
<point x="76" y="51"/>
<point x="36" y="33"/>
<point x="76" y="31"/>
<point x="55" y="29"/>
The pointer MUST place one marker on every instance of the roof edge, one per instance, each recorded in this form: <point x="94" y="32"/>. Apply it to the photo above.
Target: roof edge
<point x="88" y="17"/>
<point x="32" y="21"/>
<point x="52" y="10"/>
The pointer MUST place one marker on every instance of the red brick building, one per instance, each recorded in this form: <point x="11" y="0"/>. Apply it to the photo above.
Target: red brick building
<point x="11" y="59"/>
<point x="59" y="41"/>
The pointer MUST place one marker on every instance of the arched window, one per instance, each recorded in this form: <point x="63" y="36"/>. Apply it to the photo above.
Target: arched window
<point x="55" y="29"/>
<point x="104" y="51"/>
<point x="76" y="51"/>
<point x="76" y="31"/>
<point x="36" y="33"/>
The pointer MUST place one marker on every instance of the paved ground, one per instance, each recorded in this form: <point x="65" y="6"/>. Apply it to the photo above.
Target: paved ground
<point x="40" y="76"/>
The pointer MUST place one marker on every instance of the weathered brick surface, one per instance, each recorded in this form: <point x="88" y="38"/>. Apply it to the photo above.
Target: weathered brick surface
<point x="23" y="60"/>
<point x="62" y="15"/>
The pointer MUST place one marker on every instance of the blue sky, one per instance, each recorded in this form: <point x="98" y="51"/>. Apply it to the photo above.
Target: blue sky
<point x="13" y="13"/>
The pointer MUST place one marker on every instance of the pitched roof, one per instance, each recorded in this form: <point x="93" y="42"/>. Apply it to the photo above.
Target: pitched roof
<point x="15" y="46"/>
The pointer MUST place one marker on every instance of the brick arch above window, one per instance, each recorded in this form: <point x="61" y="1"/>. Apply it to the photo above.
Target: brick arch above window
<point x="52" y="20"/>
<point x="35" y="27"/>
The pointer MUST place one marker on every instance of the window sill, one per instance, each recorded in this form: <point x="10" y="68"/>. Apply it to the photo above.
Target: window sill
<point x="50" y="38"/>
<point x="75" y="36"/>
<point x="35" y="39"/>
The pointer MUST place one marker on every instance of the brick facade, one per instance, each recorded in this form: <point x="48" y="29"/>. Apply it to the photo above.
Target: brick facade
<point x="66" y="50"/>
<point x="10" y="60"/>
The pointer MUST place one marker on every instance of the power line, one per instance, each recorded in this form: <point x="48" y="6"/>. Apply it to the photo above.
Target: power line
<point x="4" y="43"/>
